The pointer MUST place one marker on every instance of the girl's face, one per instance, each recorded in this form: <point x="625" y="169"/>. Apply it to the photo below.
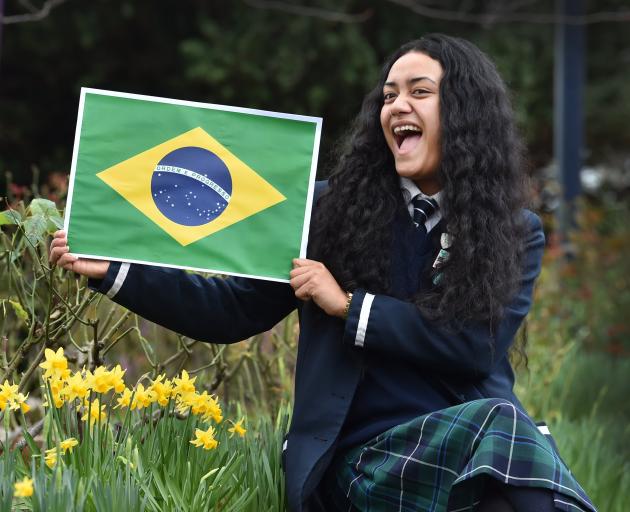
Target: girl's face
<point x="410" y="118"/>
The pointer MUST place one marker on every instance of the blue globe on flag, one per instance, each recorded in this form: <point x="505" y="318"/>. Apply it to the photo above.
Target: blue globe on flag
<point x="191" y="186"/>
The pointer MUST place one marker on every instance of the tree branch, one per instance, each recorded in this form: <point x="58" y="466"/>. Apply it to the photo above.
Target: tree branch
<point x="311" y="12"/>
<point x="48" y="6"/>
<point x="33" y="431"/>
<point x="490" y="18"/>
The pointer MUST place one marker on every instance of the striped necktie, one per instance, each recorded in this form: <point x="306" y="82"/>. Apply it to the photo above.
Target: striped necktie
<point x="423" y="208"/>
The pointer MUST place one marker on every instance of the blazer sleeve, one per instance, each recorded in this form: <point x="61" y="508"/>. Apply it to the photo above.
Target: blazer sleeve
<point x="215" y="310"/>
<point x="383" y="324"/>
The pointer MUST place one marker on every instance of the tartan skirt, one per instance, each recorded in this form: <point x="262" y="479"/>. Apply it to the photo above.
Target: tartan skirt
<point x="440" y="461"/>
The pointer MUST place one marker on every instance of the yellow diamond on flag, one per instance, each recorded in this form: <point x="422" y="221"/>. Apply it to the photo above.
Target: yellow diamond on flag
<point x="191" y="186"/>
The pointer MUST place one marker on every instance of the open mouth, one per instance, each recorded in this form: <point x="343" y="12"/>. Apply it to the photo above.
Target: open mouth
<point x="407" y="137"/>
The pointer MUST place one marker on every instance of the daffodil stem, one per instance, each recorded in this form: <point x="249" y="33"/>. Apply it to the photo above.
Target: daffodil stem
<point x="52" y="409"/>
<point x="155" y="417"/>
<point x="6" y="419"/>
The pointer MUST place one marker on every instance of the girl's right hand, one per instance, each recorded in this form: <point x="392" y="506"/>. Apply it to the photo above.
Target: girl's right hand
<point x="60" y="256"/>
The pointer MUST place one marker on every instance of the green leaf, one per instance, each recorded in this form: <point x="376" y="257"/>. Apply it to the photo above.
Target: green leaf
<point x="46" y="211"/>
<point x="35" y="228"/>
<point x="20" y="312"/>
<point x="209" y="474"/>
<point x="44" y="207"/>
<point x="54" y="223"/>
<point x="11" y="217"/>
<point x="174" y="490"/>
<point x="157" y="479"/>
<point x="31" y="442"/>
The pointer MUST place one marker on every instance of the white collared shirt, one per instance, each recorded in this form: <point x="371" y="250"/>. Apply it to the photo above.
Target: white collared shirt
<point x="412" y="190"/>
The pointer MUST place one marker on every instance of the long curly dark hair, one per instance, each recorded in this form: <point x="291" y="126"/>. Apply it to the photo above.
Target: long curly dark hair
<point x="483" y="183"/>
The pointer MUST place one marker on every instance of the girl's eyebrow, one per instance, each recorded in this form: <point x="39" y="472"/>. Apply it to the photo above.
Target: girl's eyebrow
<point x="413" y="81"/>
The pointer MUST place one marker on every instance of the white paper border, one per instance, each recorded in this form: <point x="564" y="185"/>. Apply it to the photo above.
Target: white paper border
<point x="266" y="113"/>
<point x="182" y="267"/>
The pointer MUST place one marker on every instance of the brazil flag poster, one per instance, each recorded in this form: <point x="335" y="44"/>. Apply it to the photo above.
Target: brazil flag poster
<point x="191" y="185"/>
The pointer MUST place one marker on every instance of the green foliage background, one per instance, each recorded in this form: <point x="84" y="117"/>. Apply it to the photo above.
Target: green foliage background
<point x="231" y="52"/>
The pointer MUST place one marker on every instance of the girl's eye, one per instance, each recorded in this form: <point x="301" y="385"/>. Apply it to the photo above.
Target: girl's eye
<point x="420" y="91"/>
<point x="388" y="96"/>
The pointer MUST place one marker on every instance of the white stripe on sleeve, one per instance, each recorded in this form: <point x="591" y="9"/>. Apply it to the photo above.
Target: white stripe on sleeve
<point x="118" y="282"/>
<point x="359" y="340"/>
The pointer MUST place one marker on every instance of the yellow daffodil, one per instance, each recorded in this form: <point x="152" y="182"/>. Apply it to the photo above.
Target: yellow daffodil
<point x="56" y="364"/>
<point x="58" y="401"/>
<point x="24" y="488"/>
<point x="68" y="444"/>
<point x="76" y="387"/>
<point x="56" y="384"/>
<point x="238" y="428"/>
<point x="96" y="411"/>
<point x="161" y="390"/>
<point x="214" y="413"/>
<point x="205" y="438"/>
<point x="212" y="409"/>
<point x="57" y="390"/>
<point x="8" y="391"/>
<point x="100" y="381"/>
<point x="8" y="394"/>
<point x="51" y="457"/>
<point x="116" y="376"/>
<point x="142" y="398"/>
<point x="184" y="385"/>
<point x="199" y="403"/>
<point x="124" y="400"/>
<point x="203" y="405"/>
<point x="19" y="402"/>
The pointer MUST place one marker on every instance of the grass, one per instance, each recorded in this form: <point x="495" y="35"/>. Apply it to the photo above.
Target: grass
<point x="584" y="403"/>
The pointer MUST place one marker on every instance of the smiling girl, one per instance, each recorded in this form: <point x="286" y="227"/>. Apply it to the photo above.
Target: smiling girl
<point x="422" y="261"/>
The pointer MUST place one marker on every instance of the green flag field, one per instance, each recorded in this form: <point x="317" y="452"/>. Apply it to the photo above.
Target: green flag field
<point x="191" y="185"/>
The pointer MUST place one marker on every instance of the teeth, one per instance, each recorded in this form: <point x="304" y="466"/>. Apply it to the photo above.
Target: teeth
<point x="406" y="127"/>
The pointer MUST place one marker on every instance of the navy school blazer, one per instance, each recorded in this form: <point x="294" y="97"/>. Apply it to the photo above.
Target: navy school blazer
<point x="472" y="363"/>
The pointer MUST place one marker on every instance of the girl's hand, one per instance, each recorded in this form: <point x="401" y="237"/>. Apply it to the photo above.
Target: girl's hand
<point x="311" y="280"/>
<point x="60" y="256"/>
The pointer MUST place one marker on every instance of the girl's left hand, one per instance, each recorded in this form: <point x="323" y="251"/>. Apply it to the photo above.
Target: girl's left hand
<point x="311" y="280"/>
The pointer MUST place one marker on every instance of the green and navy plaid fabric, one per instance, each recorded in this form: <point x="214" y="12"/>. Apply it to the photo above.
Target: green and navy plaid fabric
<point x="437" y="462"/>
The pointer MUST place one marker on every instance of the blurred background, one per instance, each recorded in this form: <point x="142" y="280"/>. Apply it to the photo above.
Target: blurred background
<point x="312" y="57"/>
<point x="566" y="63"/>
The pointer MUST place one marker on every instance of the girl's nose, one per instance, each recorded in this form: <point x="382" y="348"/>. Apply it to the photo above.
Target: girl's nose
<point x="400" y="105"/>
